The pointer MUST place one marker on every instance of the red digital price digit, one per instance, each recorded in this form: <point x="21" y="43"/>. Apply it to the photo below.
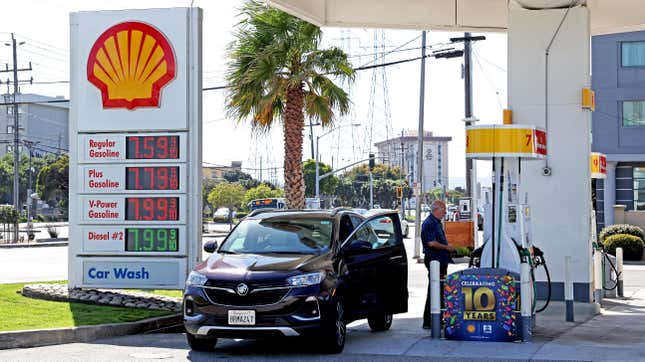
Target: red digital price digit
<point x="162" y="147"/>
<point x="148" y="146"/>
<point x="162" y="177"/>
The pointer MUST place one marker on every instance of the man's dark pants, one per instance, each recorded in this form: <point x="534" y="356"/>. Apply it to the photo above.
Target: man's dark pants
<point x="443" y="271"/>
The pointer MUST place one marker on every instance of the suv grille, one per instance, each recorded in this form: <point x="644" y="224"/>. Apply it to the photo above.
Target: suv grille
<point x="274" y="292"/>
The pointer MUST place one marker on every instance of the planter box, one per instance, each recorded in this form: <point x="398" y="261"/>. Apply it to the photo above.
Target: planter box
<point x="459" y="233"/>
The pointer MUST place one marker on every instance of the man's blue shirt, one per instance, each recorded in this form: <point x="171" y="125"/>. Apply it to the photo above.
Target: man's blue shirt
<point x="431" y="230"/>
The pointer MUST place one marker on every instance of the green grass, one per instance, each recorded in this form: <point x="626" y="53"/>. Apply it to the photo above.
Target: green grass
<point x="21" y="313"/>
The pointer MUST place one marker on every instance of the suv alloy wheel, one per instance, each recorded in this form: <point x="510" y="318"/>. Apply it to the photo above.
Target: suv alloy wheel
<point x="379" y="322"/>
<point x="336" y="333"/>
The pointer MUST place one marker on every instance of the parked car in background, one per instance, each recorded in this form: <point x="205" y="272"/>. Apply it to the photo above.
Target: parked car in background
<point x="221" y="214"/>
<point x="405" y="227"/>
<point x="298" y="273"/>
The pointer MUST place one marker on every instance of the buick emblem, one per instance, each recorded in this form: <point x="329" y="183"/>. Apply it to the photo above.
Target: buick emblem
<point x="242" y="289"/>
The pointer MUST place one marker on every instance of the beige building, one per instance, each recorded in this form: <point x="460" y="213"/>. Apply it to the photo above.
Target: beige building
<point x="213" y="172"/>
<point x="402" y="152"/>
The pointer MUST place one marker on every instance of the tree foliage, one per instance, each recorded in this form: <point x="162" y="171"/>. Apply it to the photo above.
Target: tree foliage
<point x="52" y="182"/>
<point x="262" y="191"/>
<point x="228" y="195"/>
<point x="327" y="185"/>
<point x="278" y="73"/>
<point x="353" y="188"/>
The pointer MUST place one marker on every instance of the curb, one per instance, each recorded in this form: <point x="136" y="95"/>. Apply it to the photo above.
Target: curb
<point x="45" y="337"/>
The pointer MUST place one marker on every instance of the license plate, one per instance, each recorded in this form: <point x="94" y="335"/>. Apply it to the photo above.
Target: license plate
<point x="241" y="317"/>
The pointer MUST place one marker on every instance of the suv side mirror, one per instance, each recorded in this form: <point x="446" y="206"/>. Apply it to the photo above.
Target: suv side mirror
<point x="210" y="246"/>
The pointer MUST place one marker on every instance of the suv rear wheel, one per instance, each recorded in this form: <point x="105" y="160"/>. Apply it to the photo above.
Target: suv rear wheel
<point x="379" y="322"/>
<point x="335" y="332"/>
<point x="201" y="344"/>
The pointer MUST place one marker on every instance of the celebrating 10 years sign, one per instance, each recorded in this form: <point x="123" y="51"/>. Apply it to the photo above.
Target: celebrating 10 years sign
<point x="135" y="164"/>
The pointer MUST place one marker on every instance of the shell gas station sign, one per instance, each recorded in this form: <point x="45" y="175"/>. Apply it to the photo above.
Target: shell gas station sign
<point x="135" y="158"/>
<point x="598" y="163"/>
<point x="488" y="141"/>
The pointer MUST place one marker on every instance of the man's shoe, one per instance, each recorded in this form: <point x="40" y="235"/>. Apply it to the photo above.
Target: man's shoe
<point x="426" y="326"/>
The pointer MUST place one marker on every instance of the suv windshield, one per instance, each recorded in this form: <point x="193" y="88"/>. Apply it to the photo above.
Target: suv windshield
<point x="277" y="235"/>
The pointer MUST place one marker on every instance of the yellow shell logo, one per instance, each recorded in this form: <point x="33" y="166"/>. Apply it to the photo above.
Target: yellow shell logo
<point x="470" y="328"/>
<point x="130" y="63"/>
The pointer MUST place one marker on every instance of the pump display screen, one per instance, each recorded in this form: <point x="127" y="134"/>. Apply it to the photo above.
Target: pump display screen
<point x="152" y="178"/>
<point x="151" y="239"/>
<point x="152" y="147"/>
<point x="152" y="208"/>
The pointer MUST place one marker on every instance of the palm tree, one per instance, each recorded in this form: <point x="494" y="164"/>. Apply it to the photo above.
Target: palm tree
<point x="277" y="73"/>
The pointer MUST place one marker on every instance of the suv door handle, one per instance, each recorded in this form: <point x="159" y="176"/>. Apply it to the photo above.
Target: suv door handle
<point x="396" y="257"/>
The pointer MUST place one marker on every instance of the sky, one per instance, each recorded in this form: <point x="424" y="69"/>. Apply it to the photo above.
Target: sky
<point x="383" y="102"/>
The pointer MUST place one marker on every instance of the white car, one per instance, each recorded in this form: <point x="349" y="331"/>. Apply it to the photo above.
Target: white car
<point x="405" y="228"/>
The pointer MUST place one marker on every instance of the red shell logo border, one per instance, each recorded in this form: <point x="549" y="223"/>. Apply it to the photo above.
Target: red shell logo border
<point x="169" y="57"/>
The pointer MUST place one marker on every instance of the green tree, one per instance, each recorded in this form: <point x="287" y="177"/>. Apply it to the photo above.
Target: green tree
<point x="52" y="183"/>
<point x="327" y="185"/>
<point x="277" y="73"/>
<point x="262" y="191"/>
<point x="228" y="195"/>
<point x="354" y="188"/>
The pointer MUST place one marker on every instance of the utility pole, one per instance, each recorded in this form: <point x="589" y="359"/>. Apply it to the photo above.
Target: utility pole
<point x="468" y="107"/>
<point x="419" y="186"/>
<point x="16" y="131"/>
<point x="471" y="173"/>
<point x="401" y="174"/>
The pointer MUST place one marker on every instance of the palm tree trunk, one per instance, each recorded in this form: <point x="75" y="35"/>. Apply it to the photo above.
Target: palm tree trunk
<point x="293" y="124"/>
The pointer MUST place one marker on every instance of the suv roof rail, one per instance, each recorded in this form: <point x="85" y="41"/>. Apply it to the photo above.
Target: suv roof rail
<point x="261" y="211"/>
<point x="339" y="209"/>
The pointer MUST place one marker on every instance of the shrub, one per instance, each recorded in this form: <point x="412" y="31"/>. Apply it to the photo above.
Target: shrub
<point x="632" y="246"/>
<point x="241" y="215"/>
<point x="620" y="229"/>
<point x="462" y="251"/>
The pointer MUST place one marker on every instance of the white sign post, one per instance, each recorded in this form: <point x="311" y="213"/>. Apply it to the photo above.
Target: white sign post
<point x="135" y="165"/>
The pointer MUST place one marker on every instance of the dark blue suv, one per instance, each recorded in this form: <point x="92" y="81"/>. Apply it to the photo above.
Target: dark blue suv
<point x="298" y="273"/>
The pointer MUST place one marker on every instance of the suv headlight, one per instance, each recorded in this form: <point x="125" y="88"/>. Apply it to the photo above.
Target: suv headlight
<point x="306" y="279"/>
<point x="195" y="278"/>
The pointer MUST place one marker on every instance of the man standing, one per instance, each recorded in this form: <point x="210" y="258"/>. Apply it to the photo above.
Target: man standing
<point x="435" y="247"/>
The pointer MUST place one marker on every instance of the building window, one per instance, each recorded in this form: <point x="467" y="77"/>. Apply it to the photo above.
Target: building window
<point x="633" y="113"/>
<point x="633" y="54"/>
<point x="639" y="188"/>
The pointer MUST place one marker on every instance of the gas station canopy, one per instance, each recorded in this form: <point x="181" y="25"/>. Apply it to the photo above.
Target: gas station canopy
<point x="607" y="16"/>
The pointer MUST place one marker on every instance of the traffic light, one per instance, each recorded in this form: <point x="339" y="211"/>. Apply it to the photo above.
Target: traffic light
<point x="399" y="192"/>
<point x="371" y="161"/>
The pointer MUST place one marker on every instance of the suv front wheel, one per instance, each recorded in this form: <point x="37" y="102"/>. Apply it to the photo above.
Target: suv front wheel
<point x="335" y="331"/>
<point x="379" y="322"/>
<point x="201" y="344"/>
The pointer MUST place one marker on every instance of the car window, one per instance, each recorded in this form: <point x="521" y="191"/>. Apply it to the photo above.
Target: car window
<point x="345" y="228"/>
<point x="278" y="235"/>
<point x="379" y="232"/>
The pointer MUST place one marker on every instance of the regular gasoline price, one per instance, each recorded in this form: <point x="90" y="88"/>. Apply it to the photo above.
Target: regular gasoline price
<point x="151" y="239"/>
<point x="152" y="147"/>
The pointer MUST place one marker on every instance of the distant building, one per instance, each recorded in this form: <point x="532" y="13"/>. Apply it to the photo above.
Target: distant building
<point x="213" y="172"/>
<point x="402" y="152"/>
<point x="43" y="121"/>
<point x="618" y="125"/>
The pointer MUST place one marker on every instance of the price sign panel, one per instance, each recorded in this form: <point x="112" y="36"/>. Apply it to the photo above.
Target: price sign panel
<point x="135" y="167"/>
<point x="153" y="178"/>
<point x="481" y="305"/>
<point x="133" y="239"/>
<point x="140" y="209"/>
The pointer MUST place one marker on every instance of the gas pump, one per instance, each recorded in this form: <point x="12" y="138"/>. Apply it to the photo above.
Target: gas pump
<point x="487" y="296"/>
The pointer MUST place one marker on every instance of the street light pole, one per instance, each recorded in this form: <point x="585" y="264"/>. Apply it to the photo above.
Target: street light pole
<point x="317" y="158"/>
<point x="418" y="189"/>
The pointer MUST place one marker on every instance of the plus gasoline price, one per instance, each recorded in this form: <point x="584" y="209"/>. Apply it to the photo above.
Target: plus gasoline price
<point x="152" y="178"/>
